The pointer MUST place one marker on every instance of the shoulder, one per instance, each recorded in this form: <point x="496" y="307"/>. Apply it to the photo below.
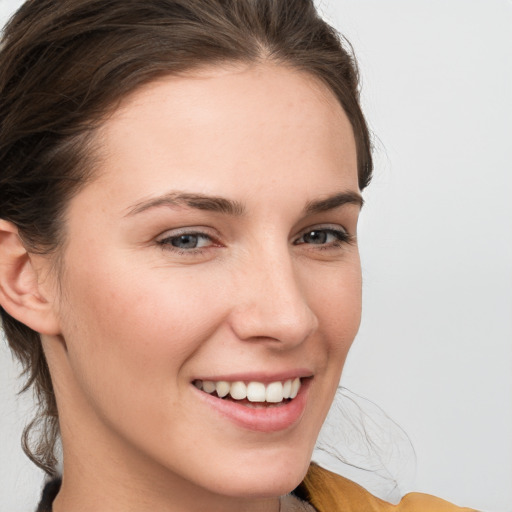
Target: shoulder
<point x="329" y="492"/>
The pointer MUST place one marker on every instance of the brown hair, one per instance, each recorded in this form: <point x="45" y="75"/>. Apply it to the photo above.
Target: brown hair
<point x="66" y="64"/>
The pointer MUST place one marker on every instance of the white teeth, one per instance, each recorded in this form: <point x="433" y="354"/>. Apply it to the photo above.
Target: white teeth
<point x="208" y="386"/>
<point x="238" y="390"/>
<point x="287" y="388"/>
<point x="222" y="387"/>
<point x="295" y="388"/>
<point x="273" y="392"/>
<point x="255" y="392"/>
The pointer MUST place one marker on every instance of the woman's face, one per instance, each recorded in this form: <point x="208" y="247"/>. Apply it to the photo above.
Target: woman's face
<point x="216" y="245"/>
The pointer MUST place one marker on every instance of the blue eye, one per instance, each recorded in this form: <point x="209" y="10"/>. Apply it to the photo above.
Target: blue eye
<point x="187" y="241"/>
<point x="324" y="237"/>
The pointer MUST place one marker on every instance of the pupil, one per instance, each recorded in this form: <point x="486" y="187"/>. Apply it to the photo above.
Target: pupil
<point x="316" y="237"/>
<point x="185" y="241"/>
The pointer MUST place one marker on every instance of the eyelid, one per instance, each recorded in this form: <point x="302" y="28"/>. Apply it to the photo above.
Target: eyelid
<point x="164" y="241"/>
<point x="324" y="227"/>
<point x="187" y="230"/>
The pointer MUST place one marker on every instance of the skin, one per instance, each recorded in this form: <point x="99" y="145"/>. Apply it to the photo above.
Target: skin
<point x="135" y="320"/>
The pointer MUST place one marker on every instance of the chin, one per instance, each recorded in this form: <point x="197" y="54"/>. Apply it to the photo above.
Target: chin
<point x="269" y="486"/>
<point x="265" y="478"/>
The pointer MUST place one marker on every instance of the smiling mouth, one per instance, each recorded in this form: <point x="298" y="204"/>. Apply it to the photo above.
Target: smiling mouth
<point x="252" y="394"/>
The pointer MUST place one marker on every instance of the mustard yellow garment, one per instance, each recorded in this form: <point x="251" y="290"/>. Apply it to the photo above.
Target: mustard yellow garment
<point x="329" y="492"/>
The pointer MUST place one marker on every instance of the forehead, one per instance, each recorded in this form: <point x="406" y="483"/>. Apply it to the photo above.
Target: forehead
<point x="228" y="123"/>
<point x="236" y="84"/>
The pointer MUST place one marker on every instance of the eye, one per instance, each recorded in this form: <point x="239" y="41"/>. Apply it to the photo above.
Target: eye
<point x="324" y="236"/>
<point x="186" y="241"/>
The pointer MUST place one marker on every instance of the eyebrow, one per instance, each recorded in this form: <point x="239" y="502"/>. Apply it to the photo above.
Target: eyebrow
<point x="197" y="201"/>
<point x="334" y="201"/>
<point x="235" y="208"/>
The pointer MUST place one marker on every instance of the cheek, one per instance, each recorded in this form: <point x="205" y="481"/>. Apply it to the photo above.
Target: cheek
<point x="130" y="338"/>
<point x="337" y="305"/>
<point x="338" y="309"/>
<point x="339" y="312"/>
<point x="132" y="327"/>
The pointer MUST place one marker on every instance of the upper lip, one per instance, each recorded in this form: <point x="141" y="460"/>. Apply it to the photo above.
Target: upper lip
<point x="264" y="377"/>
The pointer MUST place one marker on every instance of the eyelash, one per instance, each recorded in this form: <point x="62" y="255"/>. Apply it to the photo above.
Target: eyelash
<point x="166" y="243"/>
<point x="341" y="236"/>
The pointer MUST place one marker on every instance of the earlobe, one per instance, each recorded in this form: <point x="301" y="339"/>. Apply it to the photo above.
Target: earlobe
<point x="21" y="293"/>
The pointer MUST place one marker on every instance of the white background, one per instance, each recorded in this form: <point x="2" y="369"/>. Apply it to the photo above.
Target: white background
<point x="435" y="346"/>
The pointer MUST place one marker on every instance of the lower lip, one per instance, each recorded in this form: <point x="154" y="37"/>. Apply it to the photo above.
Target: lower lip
<point x="261" y="419"/>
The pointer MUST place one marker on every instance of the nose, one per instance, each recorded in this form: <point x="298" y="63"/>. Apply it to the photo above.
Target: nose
<point x="270" y="302"/>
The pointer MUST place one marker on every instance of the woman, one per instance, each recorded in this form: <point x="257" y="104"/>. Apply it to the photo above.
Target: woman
<point x="181" y="183"/>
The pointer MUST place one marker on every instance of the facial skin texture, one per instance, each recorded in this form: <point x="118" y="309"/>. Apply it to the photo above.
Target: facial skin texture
<point x="139" y="321"/>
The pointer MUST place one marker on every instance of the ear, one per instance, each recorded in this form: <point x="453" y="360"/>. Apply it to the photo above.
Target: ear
<point x="22" y="293"/>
